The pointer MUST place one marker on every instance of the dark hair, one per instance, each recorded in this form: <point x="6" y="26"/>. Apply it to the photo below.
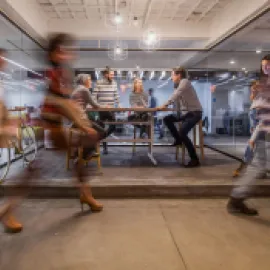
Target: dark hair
<point x="3" y="51"/>
<point x="151" y="90"/>
<point x="106" y="71"/>
<point x="180" y="71"/>
<point x="58" y="40"/>
<point x="267" y="58"/>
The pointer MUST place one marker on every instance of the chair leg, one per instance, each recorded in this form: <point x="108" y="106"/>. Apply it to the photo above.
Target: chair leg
<point x="99" y="158"/>
<point x="134" y="144"/>
<point x="183" y="154"/>
<point x="201" y="140"/>
<point x="68" y="149"/>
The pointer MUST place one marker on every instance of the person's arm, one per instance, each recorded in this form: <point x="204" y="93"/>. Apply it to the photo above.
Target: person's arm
<point x="253" y="95"/>
<point x="89" y="100"/>
<point x="183" y="86"/>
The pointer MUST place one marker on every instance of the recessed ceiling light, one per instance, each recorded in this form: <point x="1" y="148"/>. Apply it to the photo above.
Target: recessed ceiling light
<point x="232" y="62"/>
<point x="243" y="68"/>
<point x="137" y="67"/>
<point x="258" y="51"/>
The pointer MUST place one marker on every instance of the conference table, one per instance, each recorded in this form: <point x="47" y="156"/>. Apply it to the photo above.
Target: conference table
<point x="150" y="123"/>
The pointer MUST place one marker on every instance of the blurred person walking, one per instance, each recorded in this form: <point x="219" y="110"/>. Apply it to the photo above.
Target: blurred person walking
<point x="58" y="105"/>
<point x="248" y="156"/>
<point x="260" y="161"/>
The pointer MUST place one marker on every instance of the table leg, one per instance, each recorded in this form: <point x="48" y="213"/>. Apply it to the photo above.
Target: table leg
<point x="150" y="153"/>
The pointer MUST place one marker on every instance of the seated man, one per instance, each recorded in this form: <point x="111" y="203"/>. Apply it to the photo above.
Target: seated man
<point x="185" y="99"/>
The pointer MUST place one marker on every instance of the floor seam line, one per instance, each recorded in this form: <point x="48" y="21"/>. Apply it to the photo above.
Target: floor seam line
<point x="173" y="239"/>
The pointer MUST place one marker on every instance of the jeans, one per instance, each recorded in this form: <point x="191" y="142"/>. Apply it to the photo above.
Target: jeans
<point x="107" y="116"/>
<point x="188" y="121"/>
<point x="159" y="127"/>
<point x="140" y="117"/>
<point x="253" y="171"/>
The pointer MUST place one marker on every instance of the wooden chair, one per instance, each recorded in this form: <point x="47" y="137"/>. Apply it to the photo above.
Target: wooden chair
<point x="201" y="143"/>
<point x="69" y="157"/>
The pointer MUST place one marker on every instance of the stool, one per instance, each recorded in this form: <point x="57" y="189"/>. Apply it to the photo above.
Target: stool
<point x="201" y="143"/>
<point x="80" y="153"/>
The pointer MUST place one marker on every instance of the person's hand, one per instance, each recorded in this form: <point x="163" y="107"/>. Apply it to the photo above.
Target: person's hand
<point x="161" y="108"/>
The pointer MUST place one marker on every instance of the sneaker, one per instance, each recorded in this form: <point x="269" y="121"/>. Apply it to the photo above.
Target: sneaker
<point x="237" y="206"/>
<point x="193" y="164"/>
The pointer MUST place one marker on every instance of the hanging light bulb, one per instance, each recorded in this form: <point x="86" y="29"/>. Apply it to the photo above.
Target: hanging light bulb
<point x="118" y="50"/>
<point x="118" y="19"/>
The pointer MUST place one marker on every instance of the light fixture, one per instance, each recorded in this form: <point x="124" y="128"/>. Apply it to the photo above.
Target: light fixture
<point x="117" y="50"/>
<point x="118" y="19"/>
<point x="135" y="21"/>
<point x="137" y="67"/>
<point x="243" y="68"/>
<point x="163" y="74"/>
<point x="152" y="75"/>
<point x="232" y="62"/>
<point x="97" y="74"/>
<point x="258" y="51"/>
<point x="150" y="40"/>
<point x="141" y="75"/>
<point x="20" y="66"/>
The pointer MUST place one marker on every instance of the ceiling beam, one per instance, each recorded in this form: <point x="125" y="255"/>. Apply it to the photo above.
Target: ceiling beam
<point x="161" y="10"/>
<point x="70" y="9"/>
<point x="147" y="12"/>
<point x="115" y="6"/>
<point x="55" y="9"/>
<point x="99" y="9"/>
<point x="208" y="10"/>
<point x="85" y="9"/>
<point x="176" y="9"/>
<point x="130" y="11"/>
<point x="193" y="9"/>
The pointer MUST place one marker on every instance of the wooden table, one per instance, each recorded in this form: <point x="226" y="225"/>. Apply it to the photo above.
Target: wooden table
<point x="149" y="122"/>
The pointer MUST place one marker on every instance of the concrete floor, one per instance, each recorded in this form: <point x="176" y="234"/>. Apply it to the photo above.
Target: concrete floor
<point x="138" y="234"/>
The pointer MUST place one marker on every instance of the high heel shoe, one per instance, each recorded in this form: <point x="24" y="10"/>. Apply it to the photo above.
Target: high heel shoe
<point x="91" y="202"/>
<point x="9" y="222"/>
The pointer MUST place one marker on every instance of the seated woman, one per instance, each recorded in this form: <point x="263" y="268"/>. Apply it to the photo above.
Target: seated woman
<point x="139" y="99"/>
<point x="83" y="97"/>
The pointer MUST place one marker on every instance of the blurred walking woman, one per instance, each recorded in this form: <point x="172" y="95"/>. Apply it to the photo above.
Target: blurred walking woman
<point x="139" y="99"/>
<point x="58" y="105"/>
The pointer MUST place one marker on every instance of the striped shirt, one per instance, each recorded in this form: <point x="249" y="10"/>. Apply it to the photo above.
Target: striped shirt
<point x="106" y="93"/>
<point x="138" y="99"/>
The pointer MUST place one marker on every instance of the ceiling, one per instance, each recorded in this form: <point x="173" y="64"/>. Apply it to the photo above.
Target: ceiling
<point x="188" y="28"/>
<point x="146" y="11"/>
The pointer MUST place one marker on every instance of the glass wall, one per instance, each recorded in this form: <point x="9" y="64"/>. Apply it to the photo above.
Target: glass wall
<point x="22" y="83"/>
<point x="221" y="78"/>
